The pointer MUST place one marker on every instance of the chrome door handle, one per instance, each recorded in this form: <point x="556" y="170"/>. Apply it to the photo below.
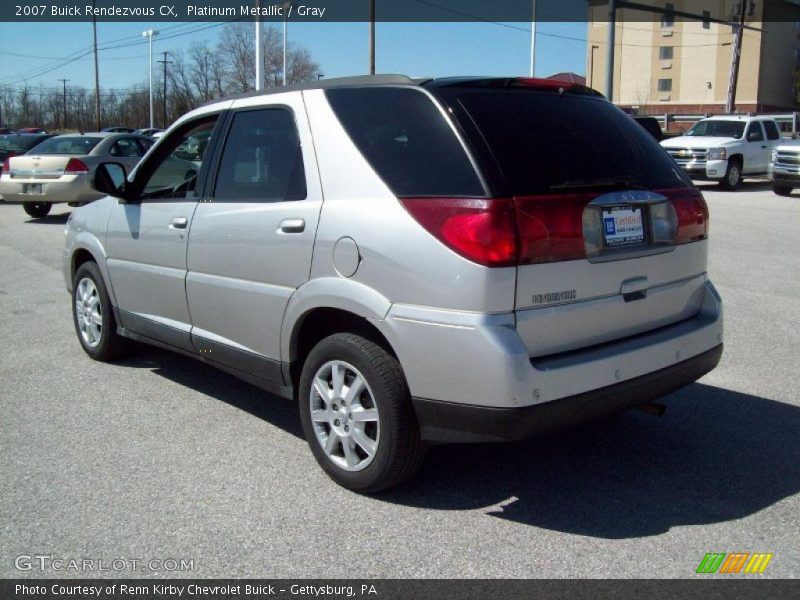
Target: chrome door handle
<point x="179" y="223"/>
<point x="292" y="226"/>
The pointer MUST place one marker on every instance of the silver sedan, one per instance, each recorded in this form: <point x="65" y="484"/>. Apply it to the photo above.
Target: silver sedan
<point x="61" y="168"/>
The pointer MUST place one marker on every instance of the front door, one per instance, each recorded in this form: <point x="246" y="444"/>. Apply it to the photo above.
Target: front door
<point x="147" y="240"/>
<point x="251" y="244"/>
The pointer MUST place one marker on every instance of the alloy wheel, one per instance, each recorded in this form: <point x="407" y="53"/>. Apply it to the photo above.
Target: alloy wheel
<point x="89" y="312"/>
<point x="344" y="415"/>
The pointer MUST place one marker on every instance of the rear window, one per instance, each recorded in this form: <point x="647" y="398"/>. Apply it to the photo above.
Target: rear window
<point x="77" y="145"/>
<point x="542" y="141"/>
<point x="404" y="137"/>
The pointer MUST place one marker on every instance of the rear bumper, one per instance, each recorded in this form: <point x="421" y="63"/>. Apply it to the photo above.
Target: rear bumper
<point x="69" y="188"/>
<point x="451" y="422"/>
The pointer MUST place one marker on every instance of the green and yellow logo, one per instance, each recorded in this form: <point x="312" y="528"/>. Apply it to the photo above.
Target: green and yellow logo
<point x="735" y="562"/>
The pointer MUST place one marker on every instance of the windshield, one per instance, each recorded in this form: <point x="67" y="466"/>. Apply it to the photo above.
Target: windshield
<point x="17" y="143"/>
<point x="729" y="129"/>
<point x="77" y="145"/>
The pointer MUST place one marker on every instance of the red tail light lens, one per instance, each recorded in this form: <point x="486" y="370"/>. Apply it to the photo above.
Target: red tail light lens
<point x="692" y="212"/>
<point x="535" y="229"/>
<point x="551" y="227"/>
<point x="75" y="166"/>
<point x="481" y="230"/>
<point x="7" y="165"/>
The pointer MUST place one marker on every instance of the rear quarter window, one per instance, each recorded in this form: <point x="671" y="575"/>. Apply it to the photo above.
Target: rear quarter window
<point x="405" y="138"/>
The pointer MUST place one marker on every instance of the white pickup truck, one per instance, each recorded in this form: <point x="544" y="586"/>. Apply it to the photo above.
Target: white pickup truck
<point x="784" y="167"/>
<point x="726" y="148"/>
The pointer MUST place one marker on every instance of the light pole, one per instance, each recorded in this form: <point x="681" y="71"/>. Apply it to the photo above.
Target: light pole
<point x="259" y="50"/>
<point x="287" y="7"/>
<point x="149" y="34"/>
<point x="533" y="37"/>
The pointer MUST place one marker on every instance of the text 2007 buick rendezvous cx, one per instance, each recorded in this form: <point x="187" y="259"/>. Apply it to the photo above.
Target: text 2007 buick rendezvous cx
<point x="448" y="260"/>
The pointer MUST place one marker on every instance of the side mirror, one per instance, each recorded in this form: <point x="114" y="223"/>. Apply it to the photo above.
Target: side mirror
<point x="109" y="179"/>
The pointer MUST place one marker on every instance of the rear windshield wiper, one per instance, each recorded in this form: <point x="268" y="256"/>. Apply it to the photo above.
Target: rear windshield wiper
<point x="623" y="182"/>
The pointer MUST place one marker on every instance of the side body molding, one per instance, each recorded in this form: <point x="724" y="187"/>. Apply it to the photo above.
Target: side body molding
<point x="329" y="292"/>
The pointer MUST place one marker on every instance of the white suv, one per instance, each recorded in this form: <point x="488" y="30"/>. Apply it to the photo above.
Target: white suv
<point x="413" y="262"/>
<point x="725" y="148"/>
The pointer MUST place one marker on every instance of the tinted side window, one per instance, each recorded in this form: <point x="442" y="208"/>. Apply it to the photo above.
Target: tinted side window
<point x="755" y="133"/>
<point x="772" y="130"/>
<point x="262" y="160"/>
<point x="406" y="140"/>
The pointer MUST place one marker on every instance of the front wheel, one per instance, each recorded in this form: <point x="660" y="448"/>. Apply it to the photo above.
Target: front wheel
<point x="357" y="415"/>
<point x="93" y="316"/>
<point x="733" y="175"/>
<point x="782" y="190"/>
<point x="37" y="210"/>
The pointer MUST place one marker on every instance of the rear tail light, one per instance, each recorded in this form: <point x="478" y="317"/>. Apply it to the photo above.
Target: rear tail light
<point x="7" y="165"/>
<point x="692" y="212"/>
<point x="527" y="230"/>
<point x="75" y="166"/>
<point x="551" y="227"/>
<point x="481" y="230"/>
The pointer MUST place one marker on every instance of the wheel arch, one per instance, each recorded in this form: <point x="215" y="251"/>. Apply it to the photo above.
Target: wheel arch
<point x="325" y="306"/>
<point x="87" y="248"/>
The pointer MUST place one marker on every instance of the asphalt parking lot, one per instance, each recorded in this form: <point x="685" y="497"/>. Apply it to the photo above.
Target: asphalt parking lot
<point x="163" y="457"/>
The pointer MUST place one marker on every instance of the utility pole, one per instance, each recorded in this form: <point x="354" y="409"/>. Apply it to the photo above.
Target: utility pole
<point x="533" y="37"/>
<point x="165" y="62"/>
<point x="372" y="37"/>
<point x="64" y="81"/>
<point x="96" y="74"/>
<point x="149" y="34"/>
<point x="612" y="30"/>
<point x="736" y="54"/>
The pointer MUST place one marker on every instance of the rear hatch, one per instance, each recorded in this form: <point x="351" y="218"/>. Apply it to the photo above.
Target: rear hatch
<point x="610" y="230"/>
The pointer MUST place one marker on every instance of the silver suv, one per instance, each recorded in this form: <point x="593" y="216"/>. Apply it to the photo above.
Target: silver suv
<point x="414" y="262"/>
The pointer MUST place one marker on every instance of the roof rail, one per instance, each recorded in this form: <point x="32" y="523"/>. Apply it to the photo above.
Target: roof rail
<point x="321" y="84"/>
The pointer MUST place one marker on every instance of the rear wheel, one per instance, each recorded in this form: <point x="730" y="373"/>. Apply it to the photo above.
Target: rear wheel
<point x="782" y="190"/>
<point x="357" y="415"/>
<point x="93" y="315"/>
<point x="37" y="210"/>
<point x="733" y="175"/>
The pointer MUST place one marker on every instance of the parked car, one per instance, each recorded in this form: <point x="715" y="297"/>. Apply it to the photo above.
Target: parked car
<point x="404" y="261"/>
<point x="726" y="148"/>
<point x="7" y="130"/>
<point x="784" y="167"/>
<point x="117" y="130"/>
<point x="31" y="130"/>
<point x="148" y="132"/>
<point x="651" y="125"/>
<point x="60" y="169"/>
<point x="19" y="143"/>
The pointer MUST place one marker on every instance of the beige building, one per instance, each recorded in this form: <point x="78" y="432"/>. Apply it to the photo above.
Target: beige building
<point x="674" y="65"/>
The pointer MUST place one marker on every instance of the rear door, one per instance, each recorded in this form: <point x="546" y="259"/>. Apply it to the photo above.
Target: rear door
<point x="756" y="149"/>
<point x="251" y="244"/>
<point x="598" y="203"/>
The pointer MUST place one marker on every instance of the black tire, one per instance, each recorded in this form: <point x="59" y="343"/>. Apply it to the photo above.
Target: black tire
<point x="111" y="345"/>
<point x="782" y="190"/>
<point x="37" y="210"/>
<point x="733" y="175"/>
<point x="400" y="451"/>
